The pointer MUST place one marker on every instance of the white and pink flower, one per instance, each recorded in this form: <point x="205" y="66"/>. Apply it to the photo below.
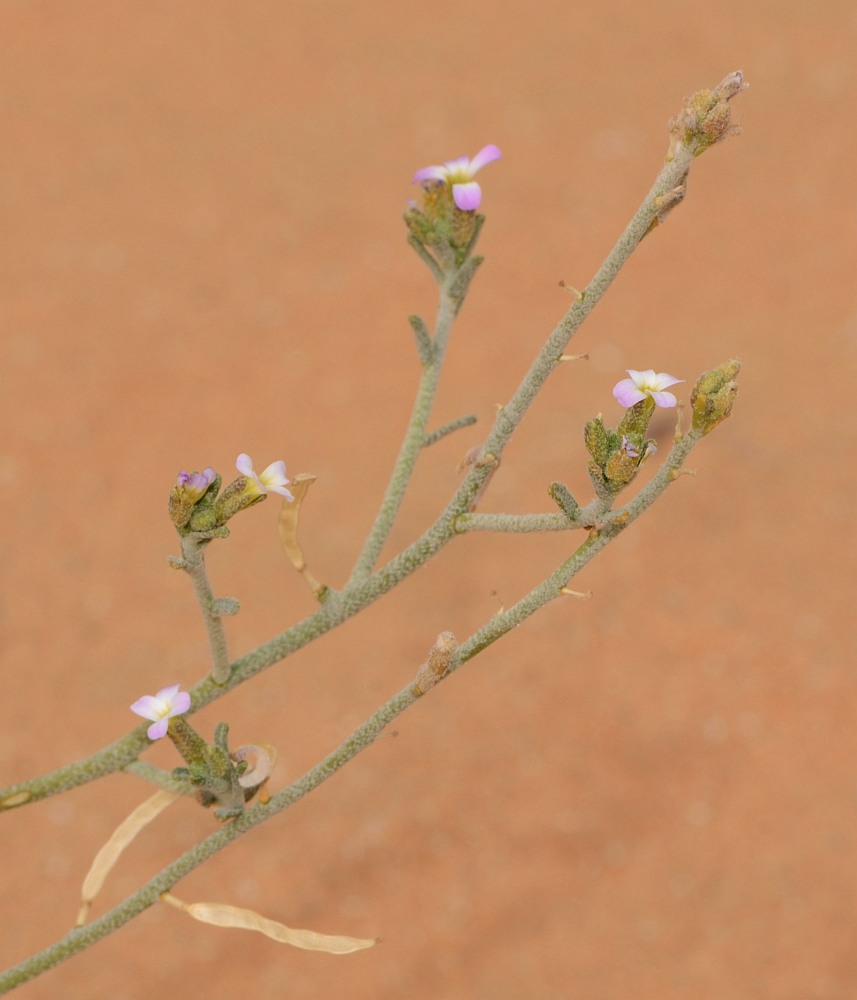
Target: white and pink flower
<point x="272" y="480"/>
<point x="160" y="708"/>
<point x="466" y="193"/>
<point x="641" y="384"/>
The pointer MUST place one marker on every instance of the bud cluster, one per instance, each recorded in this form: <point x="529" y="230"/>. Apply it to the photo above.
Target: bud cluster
<point x="447" y="224"/>
<point x="441" y="227"/>
<point x="618" y="454"/>
<point x="706" y="117"/>
<point x="714" y="395"/>
<point x="219" y="776"/>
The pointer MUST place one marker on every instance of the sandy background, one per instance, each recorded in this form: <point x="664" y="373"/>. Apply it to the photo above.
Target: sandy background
<point x="652" y="794"/>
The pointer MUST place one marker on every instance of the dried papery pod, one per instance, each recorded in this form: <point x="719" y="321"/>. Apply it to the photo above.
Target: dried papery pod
<point x="261" y="757"/>
<point x="223" y="915"/>
<point x="288" y="529"/>
<point x="122" y="836"/>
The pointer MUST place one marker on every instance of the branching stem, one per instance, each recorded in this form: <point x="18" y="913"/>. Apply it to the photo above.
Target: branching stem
<point x="367" y="583"/>
<point x="362" y="737"/>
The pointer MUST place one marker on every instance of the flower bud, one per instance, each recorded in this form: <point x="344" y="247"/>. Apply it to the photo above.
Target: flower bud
<point x="706" y="117"/>
<point x="713" y="396"/>
<point x="618" y="455"/>
<point x="236" y="497"/>
<point x="597" y="440"/>
<point x="637" y="418"/>
<point x="191" y="490"/>
<point x="621" y="467"/>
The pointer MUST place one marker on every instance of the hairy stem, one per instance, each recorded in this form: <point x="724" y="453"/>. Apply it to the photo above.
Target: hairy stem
<point x="415" y="437"/>
<point x="522" y="523"/>
<point x="193" y="563"/>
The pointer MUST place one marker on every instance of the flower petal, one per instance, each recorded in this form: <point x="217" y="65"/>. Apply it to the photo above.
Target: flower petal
<point x="467" y="196"/>
<point x="485" y="155"/>
<point x="663" y="381"/>
<point x="626" y="392"/>
<point x="461" y="165"/>
<point x="157" y="729"/>
<point x="181" y="703"/>
<point x="429" y="174"/>
<point x="244" y="464"/>
<point x="275" y="474"/>
<point x="147" y="707"/>
<point x="665" y="399"/>
<point x="167" y="693"/>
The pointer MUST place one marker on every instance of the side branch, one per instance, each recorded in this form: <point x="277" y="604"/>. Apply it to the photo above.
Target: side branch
<point x="520" y="523"/>
<point x="212" y="608"/>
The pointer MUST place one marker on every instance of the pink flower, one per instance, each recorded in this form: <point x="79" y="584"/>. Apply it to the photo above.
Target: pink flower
<point x="169" y="701"/>
<point x="641" y="384"/>
<point x="194" y="484"/>
<point x="466" y="193"/>
<point x="272" y="480"/>
<point x="628" y="447"/>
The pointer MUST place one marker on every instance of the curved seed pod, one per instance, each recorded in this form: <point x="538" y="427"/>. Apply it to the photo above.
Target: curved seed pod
<point x="287" y="527"/>
<point x="122" y="836"/>
<point x="222" y="915"/>
<point x="261" y="757"/>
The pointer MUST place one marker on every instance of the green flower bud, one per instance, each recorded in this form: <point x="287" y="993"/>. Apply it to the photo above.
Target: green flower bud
<point x="636" y="421"/>
<point x="621" y="468"/>
<point x="713" y="396"/>
<point x="563" y="498"/>
<point x="597" y="440"/>
<point x="192" y="491"/>
<point x="237" y="496"/>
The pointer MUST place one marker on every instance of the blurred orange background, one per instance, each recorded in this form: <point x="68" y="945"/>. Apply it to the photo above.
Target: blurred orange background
<point x="649" y="794"/>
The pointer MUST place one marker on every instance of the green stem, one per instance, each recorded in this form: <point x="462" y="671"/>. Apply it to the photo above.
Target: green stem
<point x="193" y="563"/>
<point x="522" y="523"/>
<point x="415" y="436"/>
<point x="451" y="427"/>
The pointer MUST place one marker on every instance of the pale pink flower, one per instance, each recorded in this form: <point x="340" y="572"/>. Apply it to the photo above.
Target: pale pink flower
<point x="194" y="484"/>
<point x="272" y="480"/>
<point x="628" y="447"/>
<point x="466" y="193"/>
<point x="641" y="384"/>
<point x="169" y="701"/>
